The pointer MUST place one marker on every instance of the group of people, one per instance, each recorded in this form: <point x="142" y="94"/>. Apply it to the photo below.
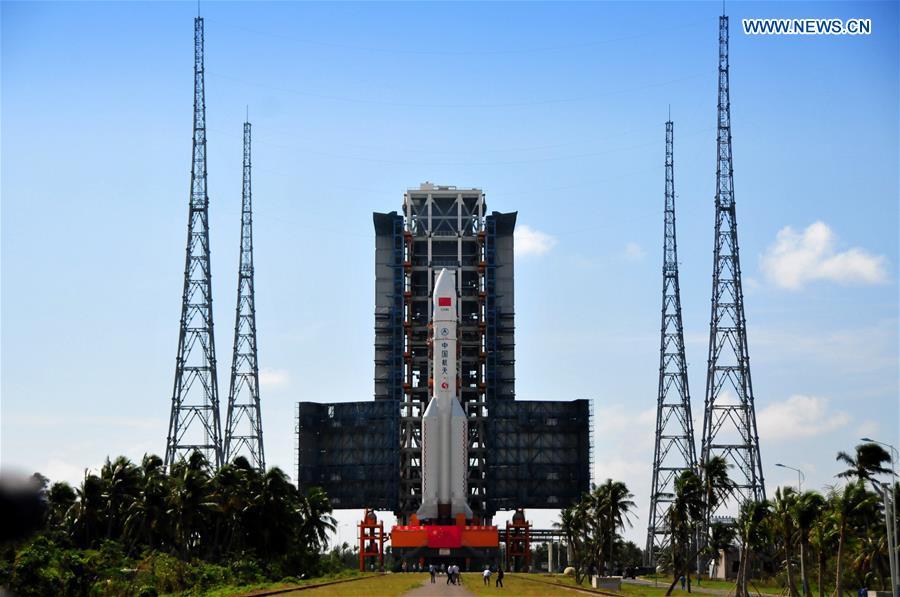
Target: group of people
<point x="486" y="577"/>
<point x="453" y="578"/>
<point x="452" y="572"/>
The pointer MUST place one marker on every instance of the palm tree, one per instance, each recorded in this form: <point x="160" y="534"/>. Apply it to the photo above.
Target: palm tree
<point x="717" y="488"/>
<point x="824" y="539"/>
<point x="868" y="558"/>
<point x="60" y="499"/>
<point x="589" y="534"/>
<point x="121" y="485"/>
<point x="847" y="505"/>
<point x="868" y="461"/>
<point x="783" y="509"/>
<point x="233" y="488"/>
<point x="807" y="509"/>
<point x="717" y="485"/>
<point x="318" y="522"/>
<point x="753" y="534"/>
<point x="189" y="502"/>
<point x="147" y="521"/>
<point x="277" y="516"/>
<point x="611" y="507"/>
<point x="86" y="514"/>
<point x="720" y="538"/>
<point x="572" y="522"/>
<point x="684" y="517"/>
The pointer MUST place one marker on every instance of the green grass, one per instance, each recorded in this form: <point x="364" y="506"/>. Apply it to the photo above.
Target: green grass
<point x="766" y="587"/>
<point x="761" y="586"/>
<point x="229" y="590"/>
<point x="639" y="590"/>
<point x="232" y="590"/>
<point x="631" y="590"/>
<point x="388" y="585"/>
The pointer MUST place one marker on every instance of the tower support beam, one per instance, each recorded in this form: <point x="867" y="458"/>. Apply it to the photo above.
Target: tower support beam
<point x="729" y="417"/>
<point x="194" y="419"/>
<point x="243" y="424"/>
<point x="674" y="447"/>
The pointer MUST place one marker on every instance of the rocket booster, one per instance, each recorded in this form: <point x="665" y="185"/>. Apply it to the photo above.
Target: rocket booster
<point x="444" y="424"/>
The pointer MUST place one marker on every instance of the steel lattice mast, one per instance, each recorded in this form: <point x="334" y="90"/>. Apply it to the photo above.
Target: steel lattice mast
<point x="729" y="417"/>
<point x="194" y="422"/>
<point x="674" y="451"/>
<point x="243" y="426"/>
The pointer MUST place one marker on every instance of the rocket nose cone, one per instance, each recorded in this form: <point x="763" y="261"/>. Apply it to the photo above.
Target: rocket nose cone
<point x="445" y="288"/>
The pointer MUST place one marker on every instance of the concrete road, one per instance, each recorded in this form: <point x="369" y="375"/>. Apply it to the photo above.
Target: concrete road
<point x="440" y="588"/>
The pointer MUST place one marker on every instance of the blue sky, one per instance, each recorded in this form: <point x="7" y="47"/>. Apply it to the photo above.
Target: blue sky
<point x="556" y="110"/>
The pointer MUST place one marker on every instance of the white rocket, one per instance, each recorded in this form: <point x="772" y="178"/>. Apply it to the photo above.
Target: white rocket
<point x="444" y="424"/>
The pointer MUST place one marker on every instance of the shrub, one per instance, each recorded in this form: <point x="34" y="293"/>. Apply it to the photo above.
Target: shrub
<point x="247" y="570"/>
<point x="38" y="569"/>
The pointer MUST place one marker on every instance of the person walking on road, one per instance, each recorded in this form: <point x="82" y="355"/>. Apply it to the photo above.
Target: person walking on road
<point x="449" y="574"/>
<point x="486" y="577"/>
<point x="432" y="571"/>
<point x="499" y="582"/>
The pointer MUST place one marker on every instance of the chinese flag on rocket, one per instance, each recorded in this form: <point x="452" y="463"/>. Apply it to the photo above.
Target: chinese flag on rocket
<point x="444" y="301"/>
<point x="444" y="536"/>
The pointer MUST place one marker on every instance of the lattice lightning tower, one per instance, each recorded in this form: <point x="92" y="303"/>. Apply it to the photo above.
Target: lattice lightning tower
<point x="729" y="417"/>
<point x="194" y="421"/>
<point x="243" y="426"/>
<point x="674" y="451"/>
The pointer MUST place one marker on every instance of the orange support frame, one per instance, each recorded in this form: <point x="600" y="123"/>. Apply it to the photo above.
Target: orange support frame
<point x="371" y="540"/>
<point x="518" y="542"/>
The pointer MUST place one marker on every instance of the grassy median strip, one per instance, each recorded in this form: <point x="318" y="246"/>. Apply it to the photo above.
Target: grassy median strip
<point x="387" y="585"/>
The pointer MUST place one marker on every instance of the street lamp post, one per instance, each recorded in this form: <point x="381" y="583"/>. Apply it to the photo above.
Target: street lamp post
<point x="890" y="519"/>
<point x="800" y="476"/>
<point x="800" y="479"/>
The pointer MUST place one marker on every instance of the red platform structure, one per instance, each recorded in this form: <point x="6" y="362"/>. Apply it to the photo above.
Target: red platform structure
<point x="371" y="542"/>
<point x="518" y="543"/>
<point x="458" y="542"/>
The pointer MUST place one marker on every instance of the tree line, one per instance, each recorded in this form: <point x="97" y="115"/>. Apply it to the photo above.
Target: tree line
<point x="236" y="523"/>
<point x="838" y="537"/>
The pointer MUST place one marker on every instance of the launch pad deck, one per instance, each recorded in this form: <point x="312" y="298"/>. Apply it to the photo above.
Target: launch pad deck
<point x="444" y="537"/>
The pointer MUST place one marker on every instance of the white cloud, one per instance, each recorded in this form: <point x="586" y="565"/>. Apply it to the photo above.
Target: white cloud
<point x="634" y="252"/>
<point x="868" y="428"/>
<point x="60" y="470"/>
<point x="616" y="417"/>
<point x="273" y="378"/>
<point x="797" y="258"/>
<point x="799" y="416"/>
<point x="529" y="241"/>
<point x="623" y="443"/>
